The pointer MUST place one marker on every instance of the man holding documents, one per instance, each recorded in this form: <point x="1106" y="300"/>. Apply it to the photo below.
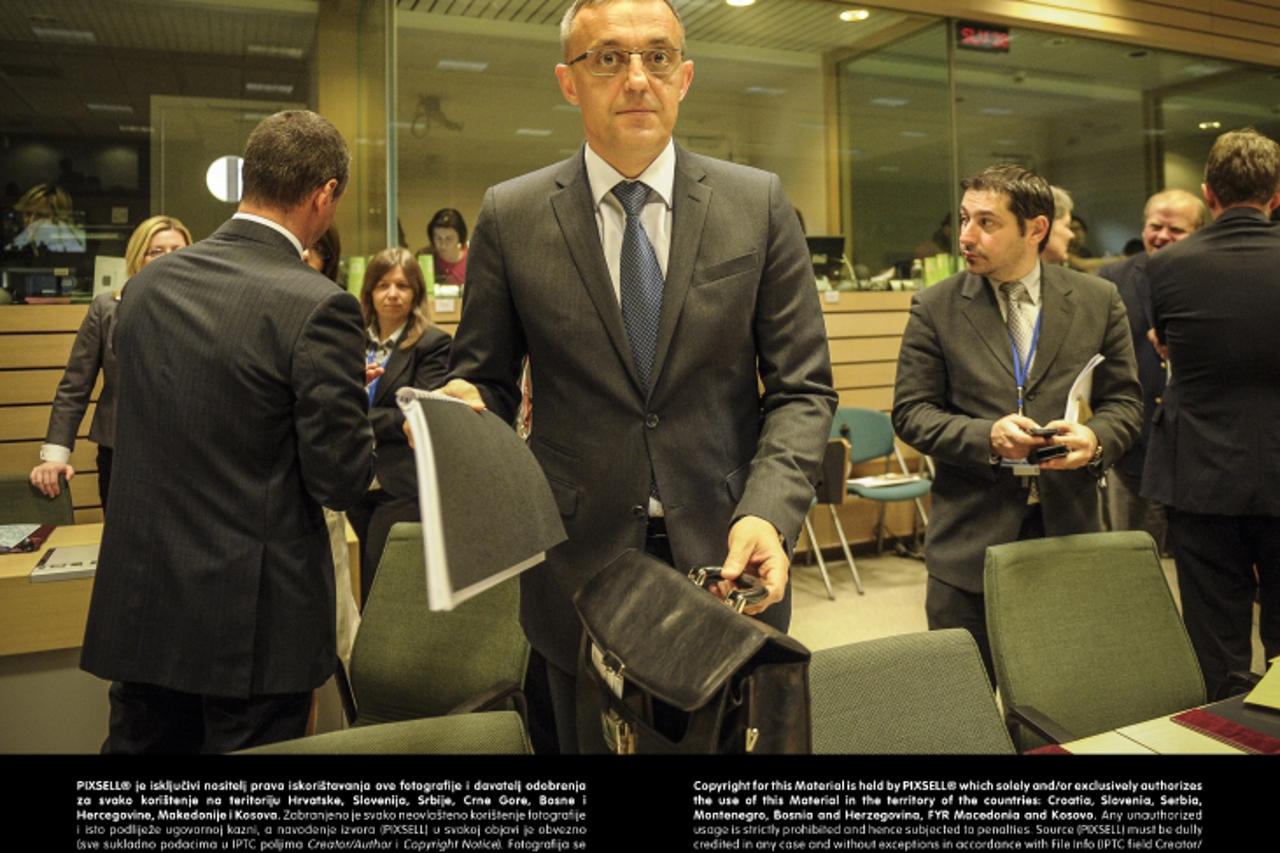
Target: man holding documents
<point x="988" y="358"/>
<point x="1216" y="305"/>
<point x="241" y="411"/>
<point x="649" y="286"/>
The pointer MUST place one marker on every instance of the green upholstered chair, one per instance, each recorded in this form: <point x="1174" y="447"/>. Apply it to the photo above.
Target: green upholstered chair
<point x="870" y="436"/>
<point x="1085" y="636"/>
<point x="923" y="694"/>
<point x="22" y="503"/>
<point x="410" y="662"/>
<point x="485" y="733"/>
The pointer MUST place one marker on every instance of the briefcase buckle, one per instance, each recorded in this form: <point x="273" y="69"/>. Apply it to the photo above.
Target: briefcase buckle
<point x="748" y="589"/>
<point x="619" y="736"/>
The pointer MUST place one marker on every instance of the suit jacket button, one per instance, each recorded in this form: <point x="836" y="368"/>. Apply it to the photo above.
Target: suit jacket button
<point x="651" y="420"/>
<point x="639" y="511"/>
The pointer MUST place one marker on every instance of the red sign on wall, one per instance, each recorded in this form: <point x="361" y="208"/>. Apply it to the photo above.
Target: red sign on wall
<point x="973" y="36"/>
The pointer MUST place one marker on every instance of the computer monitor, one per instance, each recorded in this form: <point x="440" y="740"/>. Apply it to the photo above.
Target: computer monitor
<point x="828" y="256"/>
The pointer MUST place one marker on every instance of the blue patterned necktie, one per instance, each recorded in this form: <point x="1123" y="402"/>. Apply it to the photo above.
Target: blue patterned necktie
<point x="640" y="279"/>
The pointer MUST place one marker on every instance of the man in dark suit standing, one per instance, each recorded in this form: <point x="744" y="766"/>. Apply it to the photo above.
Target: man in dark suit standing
<point x="650" y="287"/>
<point x="1216" y="302"/>
<point x="988" y="356"/>
<point x="240" y="412"/>
<point x="1169" y="216"/>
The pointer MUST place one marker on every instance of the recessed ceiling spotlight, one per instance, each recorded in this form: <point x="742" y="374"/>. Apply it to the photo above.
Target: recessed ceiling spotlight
<point x="853" y="15"/>
<point x="740" y="2"/>
<point x="1210" y="125"/>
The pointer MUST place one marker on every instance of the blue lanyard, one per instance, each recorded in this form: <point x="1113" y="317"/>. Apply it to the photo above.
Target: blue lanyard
<point x="1022" y="368"/>
<point x="372" y="358"/>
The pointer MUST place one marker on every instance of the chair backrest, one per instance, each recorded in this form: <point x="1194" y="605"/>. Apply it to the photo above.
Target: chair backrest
<point x="869" y="433"/>
<point x="923" y="694"/>
<point x="21" y="503"/>
<point x="1084" y="629"/>
<point x="409" y="662"/>
<point x="485" y="733"/>
<point x="832" y="474"/>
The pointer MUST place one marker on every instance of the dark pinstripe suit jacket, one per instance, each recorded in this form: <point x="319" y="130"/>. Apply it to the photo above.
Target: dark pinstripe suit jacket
<point x="739" y="301"/>
<point x="240" y="411"/>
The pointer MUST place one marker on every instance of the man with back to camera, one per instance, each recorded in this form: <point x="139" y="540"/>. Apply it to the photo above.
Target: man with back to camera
<point x="1216" y="307"/>
<point x="961" y="398"/>
<point x="647" y="307"/>
<point x="240" y="411"/>
<point x="1168" y="217"/>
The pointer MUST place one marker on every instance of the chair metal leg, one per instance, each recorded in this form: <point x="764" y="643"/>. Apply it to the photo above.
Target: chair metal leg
<point x="880" y="530"/>
<point x="822" y="564"/>
<point x="844" y="543"/>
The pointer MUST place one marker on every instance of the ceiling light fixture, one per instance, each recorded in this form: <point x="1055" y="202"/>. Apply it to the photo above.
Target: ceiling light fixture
<point x="110" y="108"/>
<point x="889" y="102"/>
<point x="62" y="34"/>
<point x="1210" y="125"/>
<point x="269" y="88"/>
<point x="533" y="131"/>
<point x="462" y="65"/>
<point x="851" y="16"/>
<point x="740" y="2"/>
<point x="273" y="50"/>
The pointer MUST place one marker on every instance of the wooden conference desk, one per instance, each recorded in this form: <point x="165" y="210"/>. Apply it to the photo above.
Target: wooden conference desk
<point x="1164" y="736"/>
<point x="51" y="615"/>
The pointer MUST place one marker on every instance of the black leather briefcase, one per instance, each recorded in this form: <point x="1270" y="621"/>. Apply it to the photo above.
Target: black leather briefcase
<point x="666" y="667"/>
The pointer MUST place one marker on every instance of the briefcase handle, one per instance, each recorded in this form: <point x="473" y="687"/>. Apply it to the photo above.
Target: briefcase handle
<point x="748" y="589"/>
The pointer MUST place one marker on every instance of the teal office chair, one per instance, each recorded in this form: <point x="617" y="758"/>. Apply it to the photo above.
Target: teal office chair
<point x="916" y="694"/>
<point x="870" y="436"/>
<point x="1085" y="636"/>
<point x="409" y="662"/>
<point x="830" y="490"/>
<point x="22" y="503"/>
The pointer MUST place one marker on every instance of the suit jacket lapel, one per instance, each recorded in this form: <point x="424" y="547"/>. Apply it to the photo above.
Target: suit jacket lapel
<point x="690" y="199"/>
<point x="983" y="313"/>
<point x="397" y="363"/>
<point x="1055" y="309"/>
<point x="1142" y="287"/>
<point x="575" y="212"/>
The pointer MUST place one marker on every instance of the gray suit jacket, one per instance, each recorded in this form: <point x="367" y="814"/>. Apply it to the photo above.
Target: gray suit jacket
<point x="955" y="379"/>
<point x="739" y="298"/>
<point x="241" y="411"/>
<point x="91" y="352"/>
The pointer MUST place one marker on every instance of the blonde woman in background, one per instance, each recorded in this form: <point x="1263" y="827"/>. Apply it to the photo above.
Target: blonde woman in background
<point x="92" y="351"/>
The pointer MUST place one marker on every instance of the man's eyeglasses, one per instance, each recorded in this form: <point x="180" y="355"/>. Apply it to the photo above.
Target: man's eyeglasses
<point x="609" y="61"/>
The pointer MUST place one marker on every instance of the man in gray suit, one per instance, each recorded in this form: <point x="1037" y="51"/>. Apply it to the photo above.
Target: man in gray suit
<point x="987" y="358"/>
<point x="650" y="287"/>
<point x="240" y="412"/>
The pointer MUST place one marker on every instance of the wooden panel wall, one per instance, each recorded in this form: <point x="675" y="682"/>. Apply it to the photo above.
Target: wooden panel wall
<point x="864" y="331"/>
<point x="35" y="341"/>
<point x="1244" y="30"/>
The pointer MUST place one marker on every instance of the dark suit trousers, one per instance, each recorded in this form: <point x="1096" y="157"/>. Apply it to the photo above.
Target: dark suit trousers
<point x="947" y="606"/>
<point x="1216" y="557"/>
<point x="563" y="686"/>
<point x="149" y="719"/>
<point x="104" y="474"/>
<point x="371" y="519"/>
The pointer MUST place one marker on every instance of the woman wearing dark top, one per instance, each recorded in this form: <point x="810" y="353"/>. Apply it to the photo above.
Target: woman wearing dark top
<point x="414" y="354"/>
<point x="94" y="350"/>
<point x="447" y="231"/>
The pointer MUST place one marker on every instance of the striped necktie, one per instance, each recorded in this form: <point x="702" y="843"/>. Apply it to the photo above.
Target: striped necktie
<point x="1021" y="317"/>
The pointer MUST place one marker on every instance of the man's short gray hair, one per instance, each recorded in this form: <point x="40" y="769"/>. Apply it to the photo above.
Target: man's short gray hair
<point x="566" y="22"/>
<point x="1062" y="203"/>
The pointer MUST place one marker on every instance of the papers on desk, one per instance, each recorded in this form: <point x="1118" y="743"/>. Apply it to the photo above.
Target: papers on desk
<point x="66" y="563"/>
<point x="487" y="511"/>
<point x="879" y="481"/>
<point x="16" y="538"/>
<point x="1266" y="693"/>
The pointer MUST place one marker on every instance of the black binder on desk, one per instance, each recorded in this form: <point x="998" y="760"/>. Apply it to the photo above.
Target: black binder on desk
<point x="487" y="511"/>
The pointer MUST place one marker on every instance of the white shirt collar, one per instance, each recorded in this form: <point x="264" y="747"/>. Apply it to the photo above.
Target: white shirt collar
<point x="388" y="339"/>
<point x="275" y="226"/>
<point x="660" y="175"/>
<point x="1031" y="280"/>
